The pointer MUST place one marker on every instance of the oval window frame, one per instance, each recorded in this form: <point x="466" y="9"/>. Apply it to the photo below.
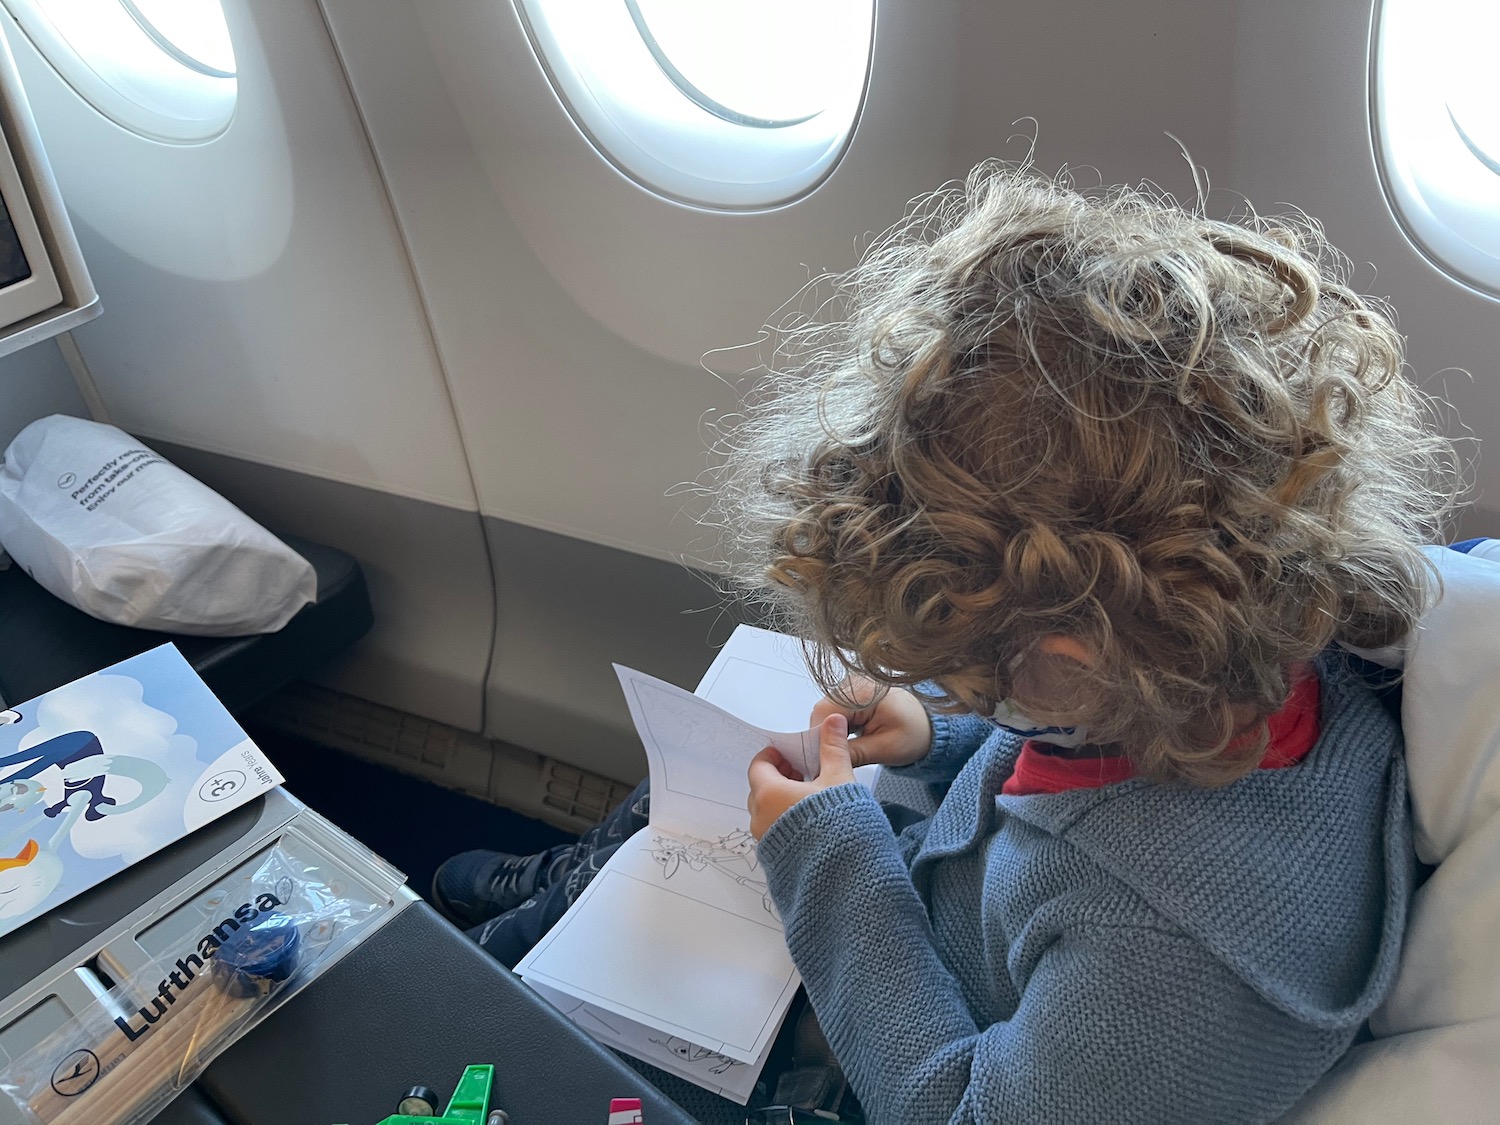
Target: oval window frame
<point x="665" y="142"/>
<point x="1441" y="192"/>
<point x="151" y="92"/>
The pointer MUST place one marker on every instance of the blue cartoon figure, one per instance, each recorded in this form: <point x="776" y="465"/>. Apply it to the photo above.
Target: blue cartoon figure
<point x="71" y="749"/>
<point x="33" y="872"/>
<point x="84" y="767"/>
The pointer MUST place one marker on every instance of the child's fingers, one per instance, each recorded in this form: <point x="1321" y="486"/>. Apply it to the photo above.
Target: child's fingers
<point x="763" y="767"/>
<point x="771" y="759"/>
<point x="875" y="749"/>
<point x="776" y="786"/>
<point x="857" y="716"/>
<point x="855" y="687"/>
<point x="833" y="748"/>
<point x="771" y="791"/>
<point x="788" y="769"/>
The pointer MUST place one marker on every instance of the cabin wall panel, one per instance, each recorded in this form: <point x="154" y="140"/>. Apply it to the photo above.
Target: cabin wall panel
<point x="567" y="610"/>
<point x="572" y="307"/>
<point x="35" y="382"/>
<point x="263" y="325"/>
<point x="1099" y="87"/>
<point x="426" y="568"/>
<point x="258" y="298"/>
<point x="572" y="311"/>
<point x="1301" y="129"/>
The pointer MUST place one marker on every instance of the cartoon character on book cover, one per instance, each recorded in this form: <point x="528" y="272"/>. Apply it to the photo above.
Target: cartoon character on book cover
<point x="77" y="761"/>
<point x="100" y="773"/>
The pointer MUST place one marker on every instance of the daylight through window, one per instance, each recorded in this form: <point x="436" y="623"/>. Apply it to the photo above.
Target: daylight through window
<point x="733" y="104"/>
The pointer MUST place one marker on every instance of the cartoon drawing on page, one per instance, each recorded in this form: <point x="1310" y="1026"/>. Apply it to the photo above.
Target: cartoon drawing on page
<point x="694" y="1054"/>
<point x="72" y="766"/>
<point x="618" y="1031"/>
<point x="100" y="773"/>
<point x="732" y="855"/>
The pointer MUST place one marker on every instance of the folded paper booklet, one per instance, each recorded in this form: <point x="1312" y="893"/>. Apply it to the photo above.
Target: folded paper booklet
<point x="674" y="953"/>
<point x="100" y="773"/>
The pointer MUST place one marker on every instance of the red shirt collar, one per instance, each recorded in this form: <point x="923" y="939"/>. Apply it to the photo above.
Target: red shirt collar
<point x="1293" y="732"/>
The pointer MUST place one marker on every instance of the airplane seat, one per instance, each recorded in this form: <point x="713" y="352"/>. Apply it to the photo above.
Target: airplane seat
<point x="1436" y="1038"/>
<point x="45" y="643"/>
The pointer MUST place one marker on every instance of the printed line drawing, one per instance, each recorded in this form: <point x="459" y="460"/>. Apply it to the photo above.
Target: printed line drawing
<point x="584" y="1014"/>
<point x="732" y="855"/>
<point x="692" y="1053"/>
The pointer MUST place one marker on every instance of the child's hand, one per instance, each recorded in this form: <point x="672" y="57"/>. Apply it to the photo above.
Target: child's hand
<point x="775" y="785"/>
<point x="894" y="731"/>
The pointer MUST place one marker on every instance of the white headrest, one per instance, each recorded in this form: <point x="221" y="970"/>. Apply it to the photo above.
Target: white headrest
<point x="1450" y="706"/>
<point x="1433" y="1058"/>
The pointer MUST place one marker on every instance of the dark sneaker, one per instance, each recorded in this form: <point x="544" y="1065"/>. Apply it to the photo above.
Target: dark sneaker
<point x="473" y="887"/>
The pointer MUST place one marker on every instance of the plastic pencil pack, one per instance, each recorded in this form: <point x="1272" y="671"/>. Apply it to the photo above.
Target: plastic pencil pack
<point x="122" y="1058"/>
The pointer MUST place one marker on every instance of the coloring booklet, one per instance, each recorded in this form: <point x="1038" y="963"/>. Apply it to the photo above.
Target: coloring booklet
<point x="674" y="953"/>
<point x="100" y="773"/>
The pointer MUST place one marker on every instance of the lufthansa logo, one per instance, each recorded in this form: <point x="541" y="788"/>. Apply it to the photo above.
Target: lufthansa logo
<point x="76" y="1073"/>
<point x="222" y="785"/>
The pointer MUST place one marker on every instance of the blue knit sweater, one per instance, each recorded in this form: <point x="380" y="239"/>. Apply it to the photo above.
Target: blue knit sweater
<point x="1135" y="953"/>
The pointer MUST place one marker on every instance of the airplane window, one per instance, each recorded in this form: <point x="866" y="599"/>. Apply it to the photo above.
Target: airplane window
<point x="736" y="104"/>
<point x="755" y="64"/>
<point x="162" y="68"/>
<point x="191" y="31"/>
<point x="1436" y="100"/>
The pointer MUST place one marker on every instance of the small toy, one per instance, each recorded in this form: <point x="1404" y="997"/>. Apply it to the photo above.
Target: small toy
<point x="419" y="1101"/>
<point x="470" y="1104"/>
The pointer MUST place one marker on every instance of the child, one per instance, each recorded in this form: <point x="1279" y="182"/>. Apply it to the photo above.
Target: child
<point x="1132" y="473"/>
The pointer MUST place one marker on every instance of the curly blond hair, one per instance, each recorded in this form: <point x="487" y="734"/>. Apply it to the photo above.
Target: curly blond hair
<point x="1029" y="411"/>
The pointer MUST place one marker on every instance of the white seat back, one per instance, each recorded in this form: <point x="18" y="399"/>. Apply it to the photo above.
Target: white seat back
<point x="1436" y="1052"/>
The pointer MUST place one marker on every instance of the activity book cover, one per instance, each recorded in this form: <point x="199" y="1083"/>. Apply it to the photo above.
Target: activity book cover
<point x="100" y="773"/>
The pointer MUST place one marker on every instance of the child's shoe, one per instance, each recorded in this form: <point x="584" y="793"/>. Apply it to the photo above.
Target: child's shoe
<point x="473" y="887"/>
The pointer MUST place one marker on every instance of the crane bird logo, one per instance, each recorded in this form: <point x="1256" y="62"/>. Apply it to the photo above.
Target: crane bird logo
<point x="76" y="1073"/>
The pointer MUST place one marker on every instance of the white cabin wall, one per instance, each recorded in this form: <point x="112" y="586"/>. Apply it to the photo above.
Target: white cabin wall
<point x="1099" y="86"/>
<point x="572" y="310"/>
<point x="35" y="382"/>
<point x="1301" y="133"/>
<point x="262" y="305"/>
<point x="260" y="309"/>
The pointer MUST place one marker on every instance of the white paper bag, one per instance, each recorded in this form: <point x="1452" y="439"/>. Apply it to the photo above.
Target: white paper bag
<point x="111" y="527"/>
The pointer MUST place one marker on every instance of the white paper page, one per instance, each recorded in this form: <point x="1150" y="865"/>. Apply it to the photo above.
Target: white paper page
<point x="761" y="677"/>
<point x="680" y="935"/>
<point x="725" y="1076"/>
<point x="698" y="755"/>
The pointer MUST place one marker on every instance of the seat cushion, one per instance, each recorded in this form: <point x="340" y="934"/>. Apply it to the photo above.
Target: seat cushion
<point x="45" y="643"/>
<point x="1436" y="1035"/>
